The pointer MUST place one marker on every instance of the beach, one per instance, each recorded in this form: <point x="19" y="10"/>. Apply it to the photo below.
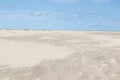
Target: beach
<point x="66" y="55"/>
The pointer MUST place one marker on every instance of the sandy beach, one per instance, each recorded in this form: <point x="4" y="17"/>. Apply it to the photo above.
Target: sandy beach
<point x="65" y="52"/>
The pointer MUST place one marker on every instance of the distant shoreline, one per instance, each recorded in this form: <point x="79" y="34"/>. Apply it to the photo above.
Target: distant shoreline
<point x="59" y="30"/>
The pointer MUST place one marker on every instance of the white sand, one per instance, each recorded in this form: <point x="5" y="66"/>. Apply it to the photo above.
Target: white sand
<point x="19" y="53"/>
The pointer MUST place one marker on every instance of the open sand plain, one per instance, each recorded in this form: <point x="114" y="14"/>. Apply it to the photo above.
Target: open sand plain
<point x="59" y="55"/>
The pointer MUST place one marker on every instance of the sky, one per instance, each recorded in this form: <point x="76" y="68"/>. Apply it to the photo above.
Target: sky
<point x="60" y="14"/>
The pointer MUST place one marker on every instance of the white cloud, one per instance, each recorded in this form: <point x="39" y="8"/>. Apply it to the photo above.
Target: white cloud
<point x="101" y="1"/>
<point x="81" y="22"/>
<point x="91" y="24"/>
<point x="37" y="13"/>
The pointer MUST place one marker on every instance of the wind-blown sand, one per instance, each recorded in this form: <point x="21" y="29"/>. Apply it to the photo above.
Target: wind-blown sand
<point x="59" y="55"/>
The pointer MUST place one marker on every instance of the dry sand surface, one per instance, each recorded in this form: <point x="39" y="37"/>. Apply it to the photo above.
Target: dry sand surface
<point x="22" y="48"/>
<point x="59" y="55"/>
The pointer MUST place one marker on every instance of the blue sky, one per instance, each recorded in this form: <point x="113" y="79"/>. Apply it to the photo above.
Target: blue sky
<point x="60" y="14"/>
